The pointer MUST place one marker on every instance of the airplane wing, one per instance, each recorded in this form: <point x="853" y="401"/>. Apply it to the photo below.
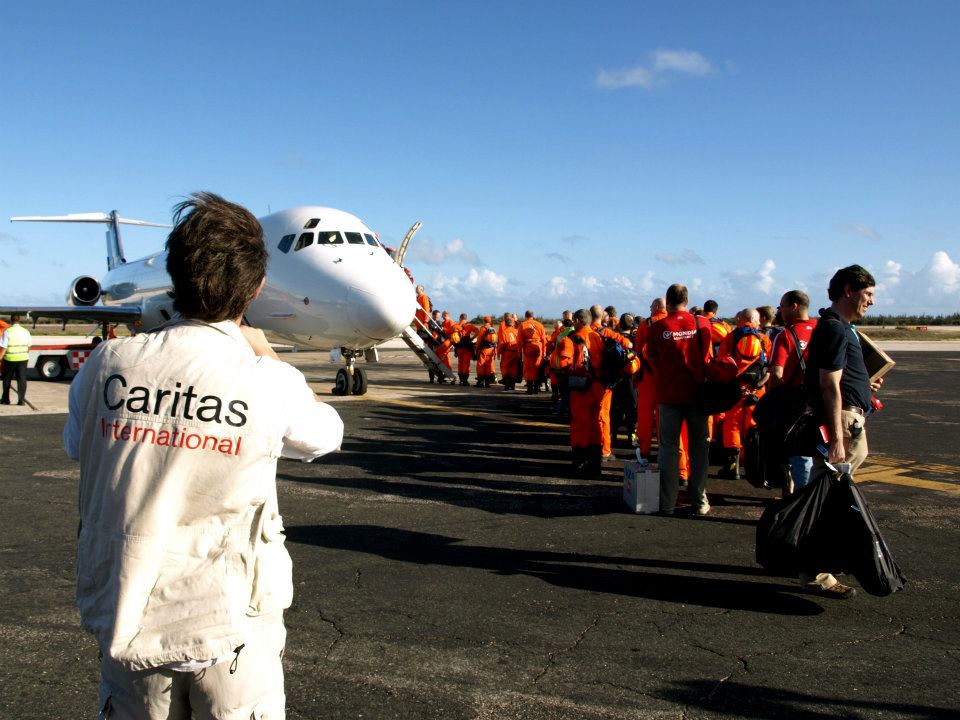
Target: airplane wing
<point x="84" y="218"/>
<point x="93" y="313"/>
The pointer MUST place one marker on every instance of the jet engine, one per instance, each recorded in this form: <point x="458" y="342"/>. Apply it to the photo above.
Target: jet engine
<point x="85" y="290"/>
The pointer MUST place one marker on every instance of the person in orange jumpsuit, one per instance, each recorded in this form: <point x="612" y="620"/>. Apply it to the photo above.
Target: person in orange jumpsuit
<point x="580" y="357"/>
<point x="508" y="350"/>
<point x="558" y="378"/>
<point x="423" y="313"/>
<point x="468" y="331"/>
<point x="646" y="381"/>
<point x="533" y="339"/>
<point x="750" y="348"/>
<point x="719" y="329"/>
<point x="449" y="336"/>
<point x="598" y="315"/>
<point x="486" y="351"/>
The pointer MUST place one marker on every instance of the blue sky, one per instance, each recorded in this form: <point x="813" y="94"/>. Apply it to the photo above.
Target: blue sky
<point x="558" y="154"/>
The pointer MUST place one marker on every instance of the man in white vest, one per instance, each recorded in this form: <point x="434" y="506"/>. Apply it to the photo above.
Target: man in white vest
<point x="182" y="574"/>
<point x="14" y="354"/>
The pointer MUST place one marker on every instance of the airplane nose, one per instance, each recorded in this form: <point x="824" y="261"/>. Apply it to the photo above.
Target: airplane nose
<point x="381" y="309"/>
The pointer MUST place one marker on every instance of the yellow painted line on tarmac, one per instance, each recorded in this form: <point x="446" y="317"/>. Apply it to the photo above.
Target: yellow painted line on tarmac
<point x="890" y="476"/>
<point x="463" y="411"/>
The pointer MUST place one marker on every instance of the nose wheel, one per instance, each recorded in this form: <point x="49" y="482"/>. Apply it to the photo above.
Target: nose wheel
<point x="350" y="380"/>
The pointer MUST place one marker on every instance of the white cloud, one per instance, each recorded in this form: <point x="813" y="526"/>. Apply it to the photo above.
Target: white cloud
<point x="657" y="70"/>
<point x="431" y="253"/>
<point x="742" y="282"/>
<point x="590" y="282"/>
<point x="687" y="257"/>
<point x="477" y="284"/>
<point x="683" y="61"/>
<point x="864" y="231"/>
<point x="943" y="275"/>
<point x="557" y="287"/>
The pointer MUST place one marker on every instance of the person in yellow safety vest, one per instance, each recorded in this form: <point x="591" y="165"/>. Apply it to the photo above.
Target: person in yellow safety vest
<point x="597" y="314"/>
<point x="750" y="348"/>
<point x="15" y="352"/>
<point x="486" y="353"/>
<point x="467" y="331"/>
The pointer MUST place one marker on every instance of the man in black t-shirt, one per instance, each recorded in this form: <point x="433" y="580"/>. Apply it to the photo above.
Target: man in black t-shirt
<point x="838" y="387"/>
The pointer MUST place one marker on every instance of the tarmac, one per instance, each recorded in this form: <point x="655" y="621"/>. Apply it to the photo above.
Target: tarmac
<point x="445" y="566"/>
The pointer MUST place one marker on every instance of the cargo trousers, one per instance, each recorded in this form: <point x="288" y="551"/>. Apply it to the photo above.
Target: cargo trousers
<point x="248" y="685"/>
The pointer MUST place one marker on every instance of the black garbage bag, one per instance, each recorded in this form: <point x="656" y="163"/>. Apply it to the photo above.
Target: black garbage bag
<point x="827" y="526"/>
<point x="793" y="534"/>
<point x="873" y="564"/>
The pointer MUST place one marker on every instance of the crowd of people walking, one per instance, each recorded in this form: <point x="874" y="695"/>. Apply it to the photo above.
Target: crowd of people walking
<point x="683" y="377"/>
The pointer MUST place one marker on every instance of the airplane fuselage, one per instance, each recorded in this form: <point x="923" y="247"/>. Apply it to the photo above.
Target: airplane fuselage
<point x="330" y="283"/>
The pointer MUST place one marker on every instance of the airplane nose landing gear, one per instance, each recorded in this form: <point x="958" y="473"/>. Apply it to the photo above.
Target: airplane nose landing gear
<point x="350" y="380"/>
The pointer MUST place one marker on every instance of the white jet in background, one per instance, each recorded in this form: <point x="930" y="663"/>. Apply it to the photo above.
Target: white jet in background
<point x="331" y="284"/>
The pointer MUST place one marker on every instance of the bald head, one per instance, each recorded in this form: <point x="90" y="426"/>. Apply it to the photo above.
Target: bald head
<point x="596" y="312"/>
<point x="749" y="315"/>
<point x="658" y="305"/>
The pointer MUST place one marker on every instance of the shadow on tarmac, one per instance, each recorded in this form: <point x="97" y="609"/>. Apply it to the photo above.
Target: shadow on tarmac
<point x="753" y="701"/>
<point x="569" y="570"/>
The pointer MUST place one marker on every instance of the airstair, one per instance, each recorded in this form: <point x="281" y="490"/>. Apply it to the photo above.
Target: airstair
<point x="431" y="361"/>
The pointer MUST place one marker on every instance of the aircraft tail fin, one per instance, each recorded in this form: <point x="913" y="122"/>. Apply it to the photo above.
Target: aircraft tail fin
<point x="113" y="220"/>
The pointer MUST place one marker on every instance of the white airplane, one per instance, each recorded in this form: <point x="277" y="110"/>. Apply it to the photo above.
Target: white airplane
<point x="330" y="284"/>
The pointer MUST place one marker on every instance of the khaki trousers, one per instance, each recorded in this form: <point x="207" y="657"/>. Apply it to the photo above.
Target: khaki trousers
<point x="248" y="686"/>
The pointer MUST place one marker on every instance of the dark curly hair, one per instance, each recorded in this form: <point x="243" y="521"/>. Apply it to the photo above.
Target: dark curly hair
<point x="215" y="257"/>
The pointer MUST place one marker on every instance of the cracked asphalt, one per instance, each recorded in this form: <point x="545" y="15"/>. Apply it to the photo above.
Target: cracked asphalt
<point x="445" y="567"/>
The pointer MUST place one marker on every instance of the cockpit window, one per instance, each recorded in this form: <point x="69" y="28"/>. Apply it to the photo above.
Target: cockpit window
<point x="285" y="242"/>
<point x="354" y="238"/>
<point x="303" y="241"/>
<point x="329" y="237"/>
<point x="371" y="240"/>
<point x="311" y="224"/>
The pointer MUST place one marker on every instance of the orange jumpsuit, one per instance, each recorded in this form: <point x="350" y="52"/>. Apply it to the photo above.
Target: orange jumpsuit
<point x="423" y="314"/>
<point x="584" y="404"/>
<point x="646" y="388"/>
<point x="607" y="397"/>
<point x="486" y="353"/>
<point x="450" y="331"/>
<point x="719" y="329"/>
<point x="534" y="341"/>
<point x="465" y="348"/>
<point x="739" y="418"/>
<point x="508" y="350"/>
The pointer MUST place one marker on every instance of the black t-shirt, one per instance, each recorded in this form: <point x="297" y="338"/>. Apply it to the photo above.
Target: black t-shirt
<point x="834" y="345"/>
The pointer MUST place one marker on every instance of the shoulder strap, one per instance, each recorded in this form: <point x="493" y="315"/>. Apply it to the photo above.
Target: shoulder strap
<point x="696" y="332"/>
<point x="802" y="364"/>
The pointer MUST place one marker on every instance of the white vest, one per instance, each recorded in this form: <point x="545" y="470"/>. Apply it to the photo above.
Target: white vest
<point x="178" y="432"/>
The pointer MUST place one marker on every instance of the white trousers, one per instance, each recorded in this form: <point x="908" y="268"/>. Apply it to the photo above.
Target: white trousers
<point x="248" y="686"/>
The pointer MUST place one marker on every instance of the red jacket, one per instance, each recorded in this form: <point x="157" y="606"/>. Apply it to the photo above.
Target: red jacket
<point x="678" y="358"/>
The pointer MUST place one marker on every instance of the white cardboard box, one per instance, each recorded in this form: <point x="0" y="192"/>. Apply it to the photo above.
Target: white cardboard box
<point x="641" y="487"/>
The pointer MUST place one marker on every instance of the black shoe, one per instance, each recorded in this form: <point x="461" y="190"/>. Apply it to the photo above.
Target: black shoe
<point x="4" y="402"/>
<point x="21" y="403"/>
